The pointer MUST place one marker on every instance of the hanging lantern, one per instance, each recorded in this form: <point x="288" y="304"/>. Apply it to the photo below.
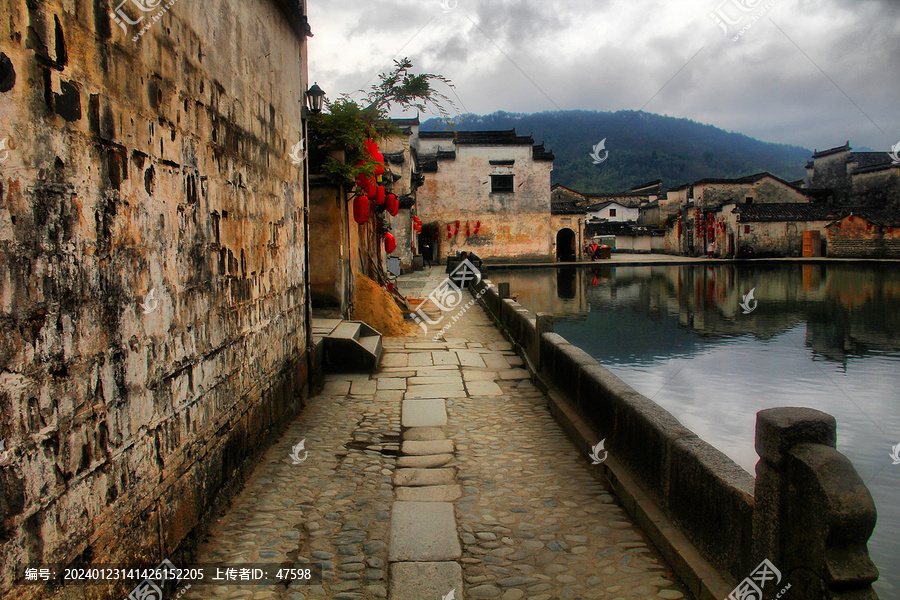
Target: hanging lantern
<point x="393" y="205"/>
<point x="477" y="227"/>
<point x="379" y="195"/>
<point x="390" y="244"/>
<point x="449" y="231"/>
<point x="457" y="228"/>
<point x="361" y="209"/>
<point x="468" y="231"/>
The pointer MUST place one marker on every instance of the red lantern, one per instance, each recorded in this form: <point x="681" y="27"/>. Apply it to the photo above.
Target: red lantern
<point x="393" y="205"/>
<point x="449" y="231"/>
<point x="390" y="244"/>
<point x="477" y="227"/>
<point x="468" y="233"/>
<point x="379" y="195"/>
<point x="361" y="209"/>
<point x="457" y="229"/>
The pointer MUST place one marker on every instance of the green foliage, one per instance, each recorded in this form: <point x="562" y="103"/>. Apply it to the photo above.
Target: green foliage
<point x="337" y="137"/>
<point x="642" y="147"/>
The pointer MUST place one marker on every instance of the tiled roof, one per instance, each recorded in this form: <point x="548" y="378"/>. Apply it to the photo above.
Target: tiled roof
<point x="885" y="217"/>
<point x="830" y="151"/>
<point x="743" y="180"/>
<point x="786" y="211"/>
<point x="405" y="122"/>
<point x="565" y="208"/>
<point x="539" y="153"/>
<point x="395" y="158"/>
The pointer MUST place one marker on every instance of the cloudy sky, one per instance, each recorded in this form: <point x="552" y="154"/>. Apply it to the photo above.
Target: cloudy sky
<point x="813" y="73"/>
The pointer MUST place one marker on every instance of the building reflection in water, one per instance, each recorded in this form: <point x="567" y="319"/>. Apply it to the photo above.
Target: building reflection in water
<point x="850" y="310"/>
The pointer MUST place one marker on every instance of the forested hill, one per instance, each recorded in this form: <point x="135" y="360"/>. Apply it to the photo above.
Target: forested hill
<point x="642" y="147"/>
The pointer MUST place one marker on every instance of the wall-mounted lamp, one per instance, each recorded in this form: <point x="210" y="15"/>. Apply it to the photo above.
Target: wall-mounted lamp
<point x="315" y="97"/>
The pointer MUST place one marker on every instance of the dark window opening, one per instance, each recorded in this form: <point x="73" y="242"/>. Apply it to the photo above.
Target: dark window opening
<point x="502" y="183"/>
<point x="748" y="200"/>
<point x="746" y="229"/>
<point x="612" y="212"/>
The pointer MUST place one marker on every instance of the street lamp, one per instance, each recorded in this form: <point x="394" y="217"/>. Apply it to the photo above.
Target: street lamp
<point x="314" y="99"/>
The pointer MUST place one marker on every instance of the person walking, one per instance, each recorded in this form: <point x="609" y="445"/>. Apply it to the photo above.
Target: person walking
<point x="426" y="254"/>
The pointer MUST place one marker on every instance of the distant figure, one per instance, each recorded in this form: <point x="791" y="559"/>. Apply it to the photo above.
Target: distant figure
<point x="593" y="250"/>
<point x="710" y="249"/>
<point x="426" y="254"/>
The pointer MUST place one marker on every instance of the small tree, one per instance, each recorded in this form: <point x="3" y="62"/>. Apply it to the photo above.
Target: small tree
<point x="336" y="137"/>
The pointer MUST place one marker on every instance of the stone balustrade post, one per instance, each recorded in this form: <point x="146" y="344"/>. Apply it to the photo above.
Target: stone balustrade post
<point x="813" y="515"/>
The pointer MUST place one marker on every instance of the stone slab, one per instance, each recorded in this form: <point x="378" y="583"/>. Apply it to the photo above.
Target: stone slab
<point x="445" y="358"/>
<point x="470" y="359"/>
<point x="394" y="359"/>
<point x="424" y="462"/>
<point x="420" y="359"/>
<point x="424" y="434"/>
<point x="480" y="375"/>
<point x="423" y="413"/>
<point x="363" y="388"/>
<point x="391" y="383"/>
<point x="451" y="378"/>
<point x="435" y="391"/>
<point x="423" y="477"/>
<point x="426" y="580"/>
<point x="423" y="532"/>
<point x="495" y="360"/>
<point x="483" y="388"/>
<point x="431" y="493"/>
<point x="515" y="374"/>
<point x="413" y="448"/>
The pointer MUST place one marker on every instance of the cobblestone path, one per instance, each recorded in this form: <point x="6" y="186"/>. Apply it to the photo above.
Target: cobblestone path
<point x="526" y="515"/>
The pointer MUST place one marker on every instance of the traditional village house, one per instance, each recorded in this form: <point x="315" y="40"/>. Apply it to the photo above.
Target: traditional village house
<point x="865" y="233"/>
<point x="855" y="178"/>
<point x="487" y="192"/>
<point x="402" y="165"/>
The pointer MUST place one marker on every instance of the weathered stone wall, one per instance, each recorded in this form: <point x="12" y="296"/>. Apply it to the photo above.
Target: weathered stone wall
<point x="764" y="191"/>
<point x="152" y="288"/>
<point x="878" y="188"/>
<point x="328" y="214"/>
<point x="778" y="238"/>
<point x="854" y="237"/>
<point x="831" y="172"/>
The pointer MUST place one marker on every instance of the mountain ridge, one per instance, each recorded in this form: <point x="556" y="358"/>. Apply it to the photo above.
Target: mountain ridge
<point x="642" y="147"/>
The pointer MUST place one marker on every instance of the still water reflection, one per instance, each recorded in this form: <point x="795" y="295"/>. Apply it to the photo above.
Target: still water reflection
<point x="822" y="336"/>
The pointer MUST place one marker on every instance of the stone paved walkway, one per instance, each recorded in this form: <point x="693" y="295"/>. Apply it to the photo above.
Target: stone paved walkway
<point x="478" y="491"/>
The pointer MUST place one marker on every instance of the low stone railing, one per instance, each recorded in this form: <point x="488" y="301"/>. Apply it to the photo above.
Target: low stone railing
<point x="808" y="512"/>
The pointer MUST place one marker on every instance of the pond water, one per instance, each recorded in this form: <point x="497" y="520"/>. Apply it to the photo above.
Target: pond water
<point x="822" y="336"/>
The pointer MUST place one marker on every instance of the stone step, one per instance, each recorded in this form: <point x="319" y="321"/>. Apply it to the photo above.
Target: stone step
<point x="423" y="532"/>
<point x="420" y="477"/>
<point x="431" y="493"/>
<point x="423" y="413"/>
<point x="426" y="581"/>
<point x="414" y="448"/>
<point x="424" y="462"/>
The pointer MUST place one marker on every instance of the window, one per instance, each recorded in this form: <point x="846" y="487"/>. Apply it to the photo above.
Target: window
<point x="746" y="229"/>
<point x="748" y="200"/>
<point x="502" y="183"/>
<point x="612" y="212"/>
